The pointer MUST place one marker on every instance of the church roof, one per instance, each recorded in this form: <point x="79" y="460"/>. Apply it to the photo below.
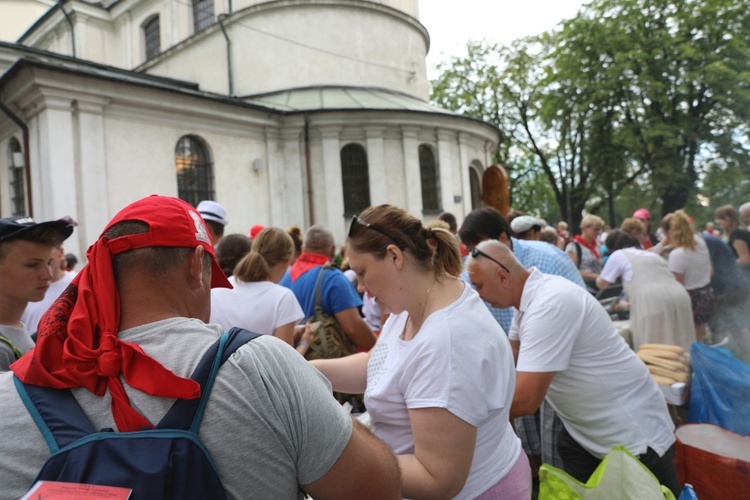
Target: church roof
<point x="331" y="98"/>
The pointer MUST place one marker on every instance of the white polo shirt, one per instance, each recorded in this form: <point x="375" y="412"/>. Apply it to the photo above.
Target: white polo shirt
<point x="601" y="390"/>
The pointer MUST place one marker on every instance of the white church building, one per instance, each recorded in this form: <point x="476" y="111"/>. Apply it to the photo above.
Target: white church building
<point x="284" y="111"/>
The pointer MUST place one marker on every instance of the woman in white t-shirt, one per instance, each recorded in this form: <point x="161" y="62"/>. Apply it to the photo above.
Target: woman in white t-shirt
<point x="660" y="309"/>
<point x="257" y="303"/>
<point x="439" y="382"/>
<point x="691" y="265"/>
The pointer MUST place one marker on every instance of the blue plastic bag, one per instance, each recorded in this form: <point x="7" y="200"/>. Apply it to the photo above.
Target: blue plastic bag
<point x="720" y="389"/>
<point x="688" y="493"/>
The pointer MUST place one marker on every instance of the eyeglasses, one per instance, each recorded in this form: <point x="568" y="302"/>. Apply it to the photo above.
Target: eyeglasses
<point x="357" y="221"/>
<point x="476" y="252"/>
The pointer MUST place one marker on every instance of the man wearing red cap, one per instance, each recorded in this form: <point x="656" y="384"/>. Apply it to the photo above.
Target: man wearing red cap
<point x="645" y="216"/>
<point x="127" y="333"/>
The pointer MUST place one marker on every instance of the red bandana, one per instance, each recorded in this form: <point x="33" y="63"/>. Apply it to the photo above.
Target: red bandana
<point x="590" y="246"/>
<point x="304" y="263"/>
<point x="77" y="342"/>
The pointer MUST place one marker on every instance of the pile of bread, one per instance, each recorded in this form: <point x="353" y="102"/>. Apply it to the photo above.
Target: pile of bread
<point x="667" y="363"/>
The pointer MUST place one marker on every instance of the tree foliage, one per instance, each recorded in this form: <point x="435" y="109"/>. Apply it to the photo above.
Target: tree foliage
<point x="654" y="90"/>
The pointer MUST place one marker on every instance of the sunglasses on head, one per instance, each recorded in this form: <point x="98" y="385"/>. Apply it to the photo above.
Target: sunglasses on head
<point x="356" y="221"/>
<point x="476" y="252"/>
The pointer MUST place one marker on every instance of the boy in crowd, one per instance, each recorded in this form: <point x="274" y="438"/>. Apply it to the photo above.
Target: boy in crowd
<point x="26" y="257"/>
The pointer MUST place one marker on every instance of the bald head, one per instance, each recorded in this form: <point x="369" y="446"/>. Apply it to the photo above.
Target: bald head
<point x="497" y="275"/>
<point x="319" y="240"/>
<point x="745" y="213"/>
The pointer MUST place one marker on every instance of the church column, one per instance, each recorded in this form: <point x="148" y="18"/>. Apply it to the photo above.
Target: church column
<point x="412" y="176"/>
<point x="91" y="169"/>
<point x="55" y="187"/>
<point x="448" y="190"/>
<point x="463" y="155"/>
<point x="376" y="165"/>
<point x="333" y="189"/>
<point x="274" y="167"/>
<point x="292" y="163"/>
<point x="125" y="26"/>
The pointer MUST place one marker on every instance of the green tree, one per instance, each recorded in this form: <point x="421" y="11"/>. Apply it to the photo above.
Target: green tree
<point x="653" y="90"/>
<point x="545" y="137"/>
<point x="674" y="76"/>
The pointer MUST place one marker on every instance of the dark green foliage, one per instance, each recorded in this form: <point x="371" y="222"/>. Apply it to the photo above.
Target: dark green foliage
<point x="656" y="91"/>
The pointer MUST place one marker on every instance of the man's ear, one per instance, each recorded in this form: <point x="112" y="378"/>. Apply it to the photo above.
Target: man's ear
<point x="502" y="275"/>
<point x="195" y="268"/>
<point x="503" y="238"/>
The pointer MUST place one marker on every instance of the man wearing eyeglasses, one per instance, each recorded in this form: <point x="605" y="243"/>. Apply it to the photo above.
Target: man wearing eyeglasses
<point x="537" y="435"/>
<point x="568" y="352"/>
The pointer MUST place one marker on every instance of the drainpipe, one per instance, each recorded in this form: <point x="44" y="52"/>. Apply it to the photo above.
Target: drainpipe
<point x="308" y="170"/>
<point x="229" y="53"/>
<point x="72" y="30"/>
<point x="27" y="166"/>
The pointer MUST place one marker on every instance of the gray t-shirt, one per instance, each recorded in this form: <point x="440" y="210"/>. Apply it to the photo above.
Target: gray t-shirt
<point x="20" y="339"/>
<point x="270" y="424"/>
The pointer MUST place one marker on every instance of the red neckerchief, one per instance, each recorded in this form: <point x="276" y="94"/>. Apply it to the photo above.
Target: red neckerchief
<point x="77" y="346"/>
<point x="646" y="244"/>
<point x="590" y="246"/>
<point x="304" y="263"/>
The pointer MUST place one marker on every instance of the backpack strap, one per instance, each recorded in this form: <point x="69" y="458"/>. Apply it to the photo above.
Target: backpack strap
<point x="16" y="352"/>
<point x="56" y="413"/>
<point x="187" y="414"/>
<point x="579" y="253"/>
<point x="318" y="290"/>
<point x="61" y="420"/>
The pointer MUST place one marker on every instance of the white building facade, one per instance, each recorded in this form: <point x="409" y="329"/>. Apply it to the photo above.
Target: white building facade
<point x="285" y="112"/>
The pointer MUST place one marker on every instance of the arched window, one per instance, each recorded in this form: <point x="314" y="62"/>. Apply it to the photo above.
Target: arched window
<point x="355" y="179"/>
<point x="203" y="14"/>
<point x="476" y="188"/>
<point x="152" y="37"/>
<point x="17" y="185"/>
<point x="430" y="180"/>
<point x="195" y="176"/>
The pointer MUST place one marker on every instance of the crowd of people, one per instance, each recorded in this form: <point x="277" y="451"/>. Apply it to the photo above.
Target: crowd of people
<point x="481" y="348"/>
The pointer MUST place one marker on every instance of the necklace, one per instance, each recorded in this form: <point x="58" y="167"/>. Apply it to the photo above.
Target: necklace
<point x="424" y="306"/>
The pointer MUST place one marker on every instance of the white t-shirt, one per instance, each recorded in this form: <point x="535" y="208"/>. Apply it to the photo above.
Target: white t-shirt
<point x="589" y="262"/>
<point x="270" y="423"/>
<point x="695" y="266"/>
<point x="35" y="310"/>
<point x="20" y="339"/>
<point x="618" y="264"/>
<point x="461" y="361"/>
<point x="260" y="306"/>
<point x="602" y="392"/>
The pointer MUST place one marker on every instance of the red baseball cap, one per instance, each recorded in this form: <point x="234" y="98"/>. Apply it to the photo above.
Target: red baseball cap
<point x="642" y="214"/>
<point x="255" y="231"/>
<point x="172" y="223"/>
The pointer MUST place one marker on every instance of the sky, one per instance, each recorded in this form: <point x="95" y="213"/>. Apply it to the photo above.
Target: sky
<point x="451" y="23"/>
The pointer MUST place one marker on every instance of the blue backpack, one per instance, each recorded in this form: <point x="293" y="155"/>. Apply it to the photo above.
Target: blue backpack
<point x="169" y="461"/>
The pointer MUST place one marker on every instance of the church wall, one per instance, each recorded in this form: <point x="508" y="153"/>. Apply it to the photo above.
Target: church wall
<point x="262" y="62"/>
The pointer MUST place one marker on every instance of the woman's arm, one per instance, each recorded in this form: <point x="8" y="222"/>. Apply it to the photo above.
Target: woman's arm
<point x="680" y="277"/>
<point x="588" y="275"/>
<point x="285" y="333"/>
<point x="742" y="251"/>
<point x="444" y="446"/>
<point x="601" y="283"/>
<point x="347" y="374"/>
<point x="574" y="257"/>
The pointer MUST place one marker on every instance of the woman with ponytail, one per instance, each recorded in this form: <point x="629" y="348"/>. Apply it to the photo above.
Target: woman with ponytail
<point x="257" y="303"/>
<point x="439" y="382"/>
